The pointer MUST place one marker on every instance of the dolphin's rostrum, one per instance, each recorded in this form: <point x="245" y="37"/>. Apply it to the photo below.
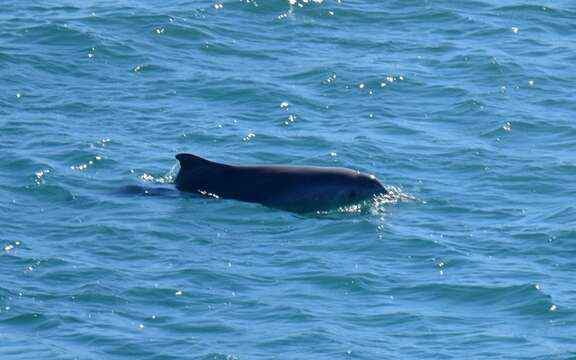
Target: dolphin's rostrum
<point x="293" y="188"/>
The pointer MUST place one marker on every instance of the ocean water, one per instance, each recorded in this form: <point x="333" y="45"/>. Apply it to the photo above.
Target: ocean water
<point x="468" y="106"/>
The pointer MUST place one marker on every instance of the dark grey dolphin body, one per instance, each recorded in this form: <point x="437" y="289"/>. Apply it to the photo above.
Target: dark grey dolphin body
<point x="292" y="188"/>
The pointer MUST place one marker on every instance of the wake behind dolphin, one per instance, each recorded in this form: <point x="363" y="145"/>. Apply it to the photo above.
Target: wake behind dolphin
<point x="293" y="188"/>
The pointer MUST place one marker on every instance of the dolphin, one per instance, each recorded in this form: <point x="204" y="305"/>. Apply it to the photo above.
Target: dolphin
<point x="301" y="189"/>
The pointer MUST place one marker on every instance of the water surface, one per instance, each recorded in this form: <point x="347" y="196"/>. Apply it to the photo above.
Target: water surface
<point x="468" y="106"/>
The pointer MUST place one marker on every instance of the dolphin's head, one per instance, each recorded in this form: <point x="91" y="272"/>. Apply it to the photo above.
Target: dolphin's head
<point x="363" y="187"/>
<point x="332" y="189"/>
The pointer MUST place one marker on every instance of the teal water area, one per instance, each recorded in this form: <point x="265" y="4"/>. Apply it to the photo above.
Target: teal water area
<point x="466" y="105"/>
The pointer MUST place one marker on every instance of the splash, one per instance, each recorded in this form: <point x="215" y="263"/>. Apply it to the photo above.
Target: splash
<point x="172" y="173"/>
<point x="167" y="178"/>
<point x="375" y="206"/>
<point x="296" y="4"/>
<point x="393" y="195"/>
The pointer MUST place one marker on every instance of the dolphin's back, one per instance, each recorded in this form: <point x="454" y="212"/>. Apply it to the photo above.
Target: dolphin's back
<point x="246" y="183"/>
<point x="191" y="162"/>
<point x="197" y="174"/>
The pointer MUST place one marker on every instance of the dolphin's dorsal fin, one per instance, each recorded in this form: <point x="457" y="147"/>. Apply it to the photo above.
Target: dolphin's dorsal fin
<point x="189" y="162"/>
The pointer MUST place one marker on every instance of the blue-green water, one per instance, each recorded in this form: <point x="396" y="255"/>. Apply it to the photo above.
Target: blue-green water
<point x="469" y="106"/>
